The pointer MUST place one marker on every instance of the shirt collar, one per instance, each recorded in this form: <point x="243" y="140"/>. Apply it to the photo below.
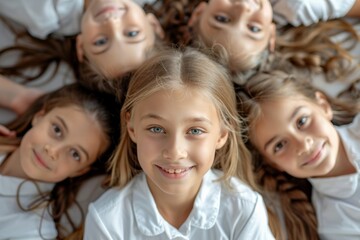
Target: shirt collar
<point x="9" y="186"/>
<point x="203" y="214"/>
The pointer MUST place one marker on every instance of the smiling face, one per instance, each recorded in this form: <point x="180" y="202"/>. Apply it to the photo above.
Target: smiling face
<point x="176" y="133"/>
<point x="243" y="27"/>
<point x="62" y="143"/>
<point x="116" y="35"/>
<point x="297" y="136"/>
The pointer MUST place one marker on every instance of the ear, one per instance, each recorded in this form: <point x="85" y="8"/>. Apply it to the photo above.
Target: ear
<point x="272" y="39"/>
<point x="130" y="127"/>
<point x="79" y="48"/>
<point x="156" y="25"/>
<point x="80" y="172"/>
<point x="324" y="104"/>
<point x="37" y="117"/>
<point x="198" y="11"/>
<point x="222" y="139"/>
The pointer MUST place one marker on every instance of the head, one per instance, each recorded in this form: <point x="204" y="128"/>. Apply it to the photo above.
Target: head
<point x="179" y="119"/>
<point x="290" y="124"/>
<point x="243" y="27"/>
<point x="65" y="132"/>
<point x="116" y="36"/>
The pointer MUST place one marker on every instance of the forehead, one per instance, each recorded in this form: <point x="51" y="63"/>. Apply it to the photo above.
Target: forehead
<point x="177" y="104"/>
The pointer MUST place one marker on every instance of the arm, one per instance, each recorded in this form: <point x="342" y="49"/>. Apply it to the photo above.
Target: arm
<point x="16" y="97"/>
<point x="307" y="12"/>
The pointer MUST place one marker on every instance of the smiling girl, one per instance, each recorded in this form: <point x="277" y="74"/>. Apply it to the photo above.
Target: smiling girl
<point x="175" y="170"/>
<point x="63" y="139"/>
<point x="296" y="132"/>
<point x="101" y="41"/>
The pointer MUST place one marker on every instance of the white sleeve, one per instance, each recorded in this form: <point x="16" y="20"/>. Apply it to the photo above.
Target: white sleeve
<point x="43" y="17"/>
<point x="257" y="226"/>
<point x="94" y="227"/>
<point x="307" y="12"/>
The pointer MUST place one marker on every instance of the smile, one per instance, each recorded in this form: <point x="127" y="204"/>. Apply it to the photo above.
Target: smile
<point x="315" y="156"/>
<point x="109" y="9"/>
<point x="40" y="161"/>
<point x="174" y="172"/>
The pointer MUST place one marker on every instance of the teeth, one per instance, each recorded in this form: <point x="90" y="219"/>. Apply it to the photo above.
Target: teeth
<point x="176" y="171"/>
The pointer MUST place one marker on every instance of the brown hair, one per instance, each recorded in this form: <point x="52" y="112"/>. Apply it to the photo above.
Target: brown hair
<point x="41" y="55"/>
<point x="294" y="193"/>
<point x="103" y="107"/>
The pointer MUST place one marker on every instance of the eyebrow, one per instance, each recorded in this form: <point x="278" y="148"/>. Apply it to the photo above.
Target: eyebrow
<point x="214" y="26"/>
<point x="290" y="118"/>
<point x="130" y="42"/>
<point x="194" y="119"/>
<point x="67" y="130"/>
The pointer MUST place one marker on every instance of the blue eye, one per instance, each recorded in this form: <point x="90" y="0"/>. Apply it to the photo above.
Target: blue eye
<point x="254" y="29"/>
<point x="101" y="41"/>
<point x="132" y="33"/>
<point x="157" y="130"/>
<point x="75" y="154"/>
<point x="222" y="19"/>
<point x="196" y="131"/>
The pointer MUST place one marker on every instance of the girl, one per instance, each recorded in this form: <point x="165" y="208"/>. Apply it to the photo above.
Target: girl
<point x="246" y="30"/>
<point x="113" y="38"/>
<point x="64" y="138"/>
<point x="296" y="134"/>
<point x="180" y="128"/>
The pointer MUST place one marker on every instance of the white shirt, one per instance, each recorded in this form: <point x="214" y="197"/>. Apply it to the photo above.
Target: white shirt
<point x="307" y="12"/>
<point x="44" y="17"/>
<point x="131" y="213"/>
<point x="337" y="199"/>
<point x="16" y="223"/>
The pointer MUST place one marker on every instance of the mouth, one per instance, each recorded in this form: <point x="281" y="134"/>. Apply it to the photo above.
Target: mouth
<point x="40" y="161"/>
<point x="315" y="155"/>
<point x="109" y="9"/>
<point x="180" y="171"/>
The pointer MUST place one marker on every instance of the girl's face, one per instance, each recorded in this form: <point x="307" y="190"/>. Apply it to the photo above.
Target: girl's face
<point x="61" y="143"/>
<point x="243" y="27"/>
<point x="115" y="35"/>
<point x="297" y="136"/>
<point x="177" y="134"/>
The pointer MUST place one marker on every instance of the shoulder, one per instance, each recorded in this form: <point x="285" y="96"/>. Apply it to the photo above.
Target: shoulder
<point x="114" y="200"/>
<point x="238" y="194"/>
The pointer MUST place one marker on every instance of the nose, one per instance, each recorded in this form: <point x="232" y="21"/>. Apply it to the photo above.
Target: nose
<point x="305" y="144"/>
<point x="51" y="151"/>
<point x="175" y="149"/>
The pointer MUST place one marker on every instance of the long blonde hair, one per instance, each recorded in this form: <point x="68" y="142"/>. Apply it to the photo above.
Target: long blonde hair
<point x="184" y="69"/>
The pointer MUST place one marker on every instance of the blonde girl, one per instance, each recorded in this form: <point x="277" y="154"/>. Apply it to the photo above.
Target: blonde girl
<point x="298" y="136"/>
<point x="174" y="172"/>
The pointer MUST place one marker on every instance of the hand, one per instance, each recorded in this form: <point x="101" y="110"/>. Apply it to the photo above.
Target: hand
<point x="5" y="132"/>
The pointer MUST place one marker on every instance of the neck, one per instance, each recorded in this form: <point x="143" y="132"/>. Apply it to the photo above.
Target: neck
<point x="174" y="208"/>
<point x="11" y="166"/>
<point x="343" y="165"/>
